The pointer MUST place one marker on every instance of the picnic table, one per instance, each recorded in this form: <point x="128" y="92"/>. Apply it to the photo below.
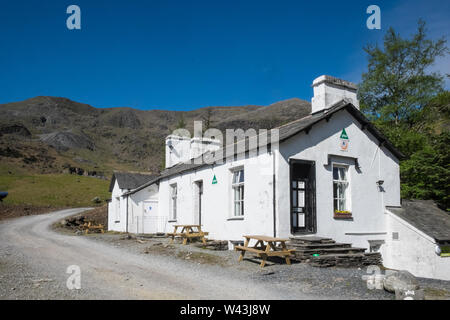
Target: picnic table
<point x="89" y="227"/>
<point x="265" y="247"/>
<point x="188" y="232"/>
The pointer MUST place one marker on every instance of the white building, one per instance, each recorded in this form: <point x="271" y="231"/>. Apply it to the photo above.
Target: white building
<point x="330" y="174"/>
<point x="121" y="183"/>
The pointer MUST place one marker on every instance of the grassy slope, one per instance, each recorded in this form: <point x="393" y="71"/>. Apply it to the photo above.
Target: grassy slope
<point x="55" y="190"/>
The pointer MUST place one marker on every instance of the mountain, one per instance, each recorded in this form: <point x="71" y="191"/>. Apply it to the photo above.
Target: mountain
<point x="51" y="134"/>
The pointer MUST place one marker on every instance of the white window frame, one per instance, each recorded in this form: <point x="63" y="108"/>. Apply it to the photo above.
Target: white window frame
<point x="237" y="188"/>
<point x="346" y="182"/>
<point x="173" y="201"/>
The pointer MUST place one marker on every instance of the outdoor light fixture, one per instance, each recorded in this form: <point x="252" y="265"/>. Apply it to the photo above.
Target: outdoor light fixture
<point x="380" y="183"/>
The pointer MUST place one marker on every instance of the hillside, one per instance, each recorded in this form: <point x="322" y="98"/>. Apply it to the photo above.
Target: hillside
<point x="45" y="135"/>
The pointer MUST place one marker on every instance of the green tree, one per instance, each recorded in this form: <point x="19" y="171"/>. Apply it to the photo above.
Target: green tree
<point x="181" y="124"/>
<point x="426" y="174"/>
<point x="398" y="82"/>
<point x="407" y="102"/>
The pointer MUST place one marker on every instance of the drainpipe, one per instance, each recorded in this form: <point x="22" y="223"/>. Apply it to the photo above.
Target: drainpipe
<point x="127" y="216"/>
<point x="274" y="195"/>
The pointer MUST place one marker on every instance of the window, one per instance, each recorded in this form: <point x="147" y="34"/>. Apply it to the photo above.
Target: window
<point x="173" y="202"/>
<point x="340" y="189"/>
<point x="238" y="193"/>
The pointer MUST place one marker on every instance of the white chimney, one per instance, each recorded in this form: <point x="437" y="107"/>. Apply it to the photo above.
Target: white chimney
<point x="181" y="148"/>
<point x="201" y="145"/>
<point x="178" y="149"/>
<point x="330" y="90"/>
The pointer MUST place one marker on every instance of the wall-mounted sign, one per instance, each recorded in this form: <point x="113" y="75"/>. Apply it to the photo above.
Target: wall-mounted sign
<point x="344" y="141"/>
<point x="214" y="180"/>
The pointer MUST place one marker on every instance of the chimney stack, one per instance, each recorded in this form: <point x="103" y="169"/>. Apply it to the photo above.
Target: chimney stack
<point x="330" y="90"/>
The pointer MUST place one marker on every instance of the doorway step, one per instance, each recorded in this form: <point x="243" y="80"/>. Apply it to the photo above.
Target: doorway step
<point x="325" y="252"/>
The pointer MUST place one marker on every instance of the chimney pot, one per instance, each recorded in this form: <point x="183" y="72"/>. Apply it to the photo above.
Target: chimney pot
<point x="329" y="90"/>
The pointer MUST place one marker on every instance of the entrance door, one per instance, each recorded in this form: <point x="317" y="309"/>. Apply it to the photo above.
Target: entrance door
<point x="303" y="208"/>
<point x="198" y="202"/>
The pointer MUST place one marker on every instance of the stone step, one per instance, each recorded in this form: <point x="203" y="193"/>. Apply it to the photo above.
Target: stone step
<point x="307" y="254"/>
<point x="301" y="246"/>
<point x="346" y="260"/>
<point x="330" y="253"/>
<point x="331" y="250"/>
<point x="311" y="239"/>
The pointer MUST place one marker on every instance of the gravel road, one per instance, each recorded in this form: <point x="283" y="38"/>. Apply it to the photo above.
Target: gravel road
<point x="34" y="259"/>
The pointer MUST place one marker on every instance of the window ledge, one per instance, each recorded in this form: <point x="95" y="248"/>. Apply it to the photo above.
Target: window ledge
<point x="235" y="218"/>
<point x="343" y="216"/>
<point x="172" y="220"/>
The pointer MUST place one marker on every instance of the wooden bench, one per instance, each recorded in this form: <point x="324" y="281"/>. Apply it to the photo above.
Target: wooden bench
<point x="188" y="232"/>
<point x="265" y="247"/>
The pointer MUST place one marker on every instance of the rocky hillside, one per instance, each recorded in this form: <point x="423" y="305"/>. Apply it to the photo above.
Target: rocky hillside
<point x="52" y="135"/>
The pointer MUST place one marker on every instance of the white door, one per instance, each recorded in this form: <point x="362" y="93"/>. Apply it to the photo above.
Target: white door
<point x="198" y="195"/>
<point x="150" y="222"/>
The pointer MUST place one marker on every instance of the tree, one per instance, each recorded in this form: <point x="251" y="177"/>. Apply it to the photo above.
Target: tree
<point x="407" y="102"/>
<point x="426" y="174"/>
<point x="207" y="120"/>
<point x="398" y="82"/>
<point x="181" y="124"/>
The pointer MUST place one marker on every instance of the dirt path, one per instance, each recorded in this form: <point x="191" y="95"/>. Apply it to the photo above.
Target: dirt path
<point x="34" y="260"/>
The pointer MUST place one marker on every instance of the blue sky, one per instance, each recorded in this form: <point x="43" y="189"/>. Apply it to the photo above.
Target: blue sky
<point x="182" y="55"/>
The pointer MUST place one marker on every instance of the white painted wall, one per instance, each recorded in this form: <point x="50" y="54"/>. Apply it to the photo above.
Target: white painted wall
<point x="117" y="210"/>
<point x="217" y="211"/>
<point x="330" y="90"/>
<point x="178" y="149"/>
<point x="140" y="220"/>
<point x="367" y="203"/>
<point x="413" y="251"/>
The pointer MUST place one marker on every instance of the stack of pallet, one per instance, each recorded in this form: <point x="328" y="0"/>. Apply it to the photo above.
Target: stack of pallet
<point x="325" y="252"/>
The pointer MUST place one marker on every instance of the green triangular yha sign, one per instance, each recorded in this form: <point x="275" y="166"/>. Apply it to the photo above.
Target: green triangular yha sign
<point x="214" y="181"/>
<point x="344" y="134"/>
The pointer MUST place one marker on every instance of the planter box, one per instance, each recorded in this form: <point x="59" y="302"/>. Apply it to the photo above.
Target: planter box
<point x="347" y="215"/>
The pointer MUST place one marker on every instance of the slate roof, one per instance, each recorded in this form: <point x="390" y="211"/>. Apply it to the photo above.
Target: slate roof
<point x="425" y="216"/>
<point x="285" y="132"/>
<point x="129" y="180"/>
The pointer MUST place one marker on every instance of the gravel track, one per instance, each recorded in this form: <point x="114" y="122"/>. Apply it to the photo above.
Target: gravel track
<point x="34" y="258"/>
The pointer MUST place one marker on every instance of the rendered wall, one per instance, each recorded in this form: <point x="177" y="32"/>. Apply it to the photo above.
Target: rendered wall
<point x="413" y="251"/>
<point x="367" y="202"/>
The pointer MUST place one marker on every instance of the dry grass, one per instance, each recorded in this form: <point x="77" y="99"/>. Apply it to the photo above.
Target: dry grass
<point x="8" y="211"/>
<point x="53" y="190"/>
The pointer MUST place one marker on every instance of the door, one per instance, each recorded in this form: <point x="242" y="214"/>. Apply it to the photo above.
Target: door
<point x="302" y="187"/>
<point x="198" y="202"/>
<point x="150" y="220"/>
